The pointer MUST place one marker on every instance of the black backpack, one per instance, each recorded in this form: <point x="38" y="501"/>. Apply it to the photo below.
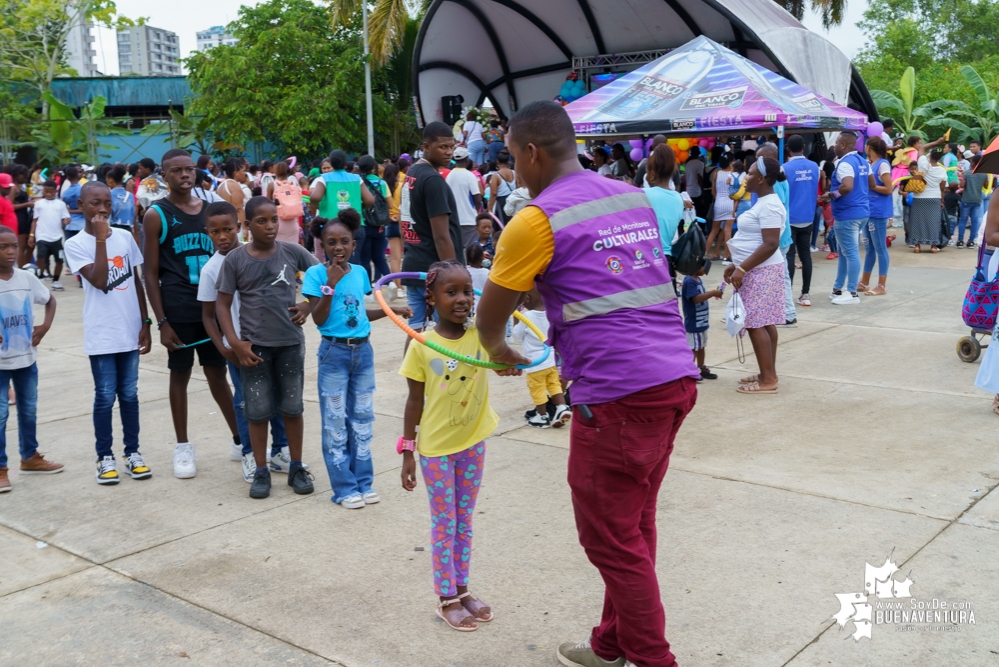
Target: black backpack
<point x="377" y="215"/>
<point x="688" y="251"/>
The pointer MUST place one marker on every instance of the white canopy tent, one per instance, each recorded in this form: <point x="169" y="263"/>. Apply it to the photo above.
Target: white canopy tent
<point x="516" y="51"/>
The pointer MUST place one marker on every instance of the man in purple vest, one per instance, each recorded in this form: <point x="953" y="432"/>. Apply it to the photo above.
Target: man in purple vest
<point x="591" y="247"/>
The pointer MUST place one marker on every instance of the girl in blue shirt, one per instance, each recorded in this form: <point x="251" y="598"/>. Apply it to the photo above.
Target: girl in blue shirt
<point x="335" y="291"/>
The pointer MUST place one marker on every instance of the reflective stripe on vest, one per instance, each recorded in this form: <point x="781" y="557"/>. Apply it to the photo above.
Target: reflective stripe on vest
<point x="598" y="207"/>
<point x="642" y="297"/>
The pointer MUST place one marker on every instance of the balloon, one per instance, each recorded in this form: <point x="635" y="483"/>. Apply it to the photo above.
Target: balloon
<point x="635" y="143"/>
<point x="566" y="89"/>
<point x="648" y="144"/>
<point x="683" y="144"/>
<point x="673" y="142"/>
<point x="875" y="129"/>
<point x="681" y="156"/>
<point x="696" y="142"/>
<point x="636" y="154"/>
<point x="860" y="145"/>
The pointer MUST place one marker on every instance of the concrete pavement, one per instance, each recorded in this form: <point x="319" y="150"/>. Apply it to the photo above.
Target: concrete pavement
<point x="878" y="444"/>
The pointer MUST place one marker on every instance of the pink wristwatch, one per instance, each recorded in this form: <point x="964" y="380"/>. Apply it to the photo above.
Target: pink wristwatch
<point x="327" y="290"/>
<point x="404" y="445"/>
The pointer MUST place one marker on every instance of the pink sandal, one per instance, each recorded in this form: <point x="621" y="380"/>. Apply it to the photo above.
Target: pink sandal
<point x="454" y="617"/>
<point x="475" y="606"/>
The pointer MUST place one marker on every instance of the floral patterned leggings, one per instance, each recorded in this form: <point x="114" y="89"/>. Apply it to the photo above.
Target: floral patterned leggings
<point x="452" y="485"/>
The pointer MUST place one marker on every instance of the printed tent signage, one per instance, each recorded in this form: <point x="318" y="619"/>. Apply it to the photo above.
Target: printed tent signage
<point x="702" y="87"/>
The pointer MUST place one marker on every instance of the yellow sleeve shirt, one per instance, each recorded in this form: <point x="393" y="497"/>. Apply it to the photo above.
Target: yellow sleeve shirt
<point x="456" y="414"/>
<point x="524" y="250"/>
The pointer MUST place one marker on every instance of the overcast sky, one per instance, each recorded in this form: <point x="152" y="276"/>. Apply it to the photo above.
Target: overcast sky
<point x="186" y="17"/>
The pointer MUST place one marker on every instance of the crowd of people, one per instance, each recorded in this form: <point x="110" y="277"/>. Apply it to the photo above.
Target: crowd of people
<point x="499" y="220"/>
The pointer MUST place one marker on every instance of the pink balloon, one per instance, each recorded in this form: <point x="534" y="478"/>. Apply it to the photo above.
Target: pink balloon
<point x="860" y="144"/>
<point x="636" y="154"/>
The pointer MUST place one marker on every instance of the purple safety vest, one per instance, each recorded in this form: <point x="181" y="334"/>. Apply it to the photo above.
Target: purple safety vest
<point x="607" y="291"/>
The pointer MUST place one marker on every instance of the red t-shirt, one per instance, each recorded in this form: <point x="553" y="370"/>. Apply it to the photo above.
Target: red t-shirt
<point x="7" y="216"/>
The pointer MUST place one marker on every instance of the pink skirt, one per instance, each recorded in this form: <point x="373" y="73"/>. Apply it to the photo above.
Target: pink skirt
<point x="762" y="294"/>
<point x="288" y="230"/>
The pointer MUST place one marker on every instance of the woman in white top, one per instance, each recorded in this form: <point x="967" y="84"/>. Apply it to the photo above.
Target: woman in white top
<point x="924" y="216"/>
<point x="724" y="214"/>
<point x="757" y="272"/>
<point x="472" y="137"/>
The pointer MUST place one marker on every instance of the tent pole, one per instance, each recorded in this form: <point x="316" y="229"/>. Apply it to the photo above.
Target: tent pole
<point x="780" y="143"/>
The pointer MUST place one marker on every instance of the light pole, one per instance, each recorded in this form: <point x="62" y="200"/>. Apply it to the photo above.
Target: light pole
<point x="367" y="81"/>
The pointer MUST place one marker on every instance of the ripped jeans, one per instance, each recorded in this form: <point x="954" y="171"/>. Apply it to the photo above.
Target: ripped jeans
<point x="346" y="387"/>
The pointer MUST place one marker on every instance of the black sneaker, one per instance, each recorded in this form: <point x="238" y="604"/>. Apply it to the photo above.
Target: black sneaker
<point x="789" y="323"/>
<point x="971" y="244"/>
<point x="539" y="421"/>
<point x="959" y="244"/>
<point x="261" y="485"/>
<point x="530" y="413"/>
<point x="707" y="374"/>
<point x="300" y="481"/>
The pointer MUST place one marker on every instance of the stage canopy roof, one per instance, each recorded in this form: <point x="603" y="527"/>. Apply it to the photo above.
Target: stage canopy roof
<point x="702" y="87"/>
<point x="516" y="51"/>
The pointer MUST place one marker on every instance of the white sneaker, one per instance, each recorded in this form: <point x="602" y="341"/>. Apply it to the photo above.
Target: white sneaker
<point x="563" y="415"/>
<point x="235" y="452"/>
<point x="371" y="497"/>
<point x="354" y="502"/>
<point x="814" y="249"/>
<point x="249" y="467"/>
<point x="400" y="292"/>
<point x="57" y="286"/>
<point x="834" y="295"/>
<point x="950" y="244"/>
<point x="281" y="462"/>
<point x="804" y="300"/>
<point x="183" y="461"/>
<point x="846" y="299"/>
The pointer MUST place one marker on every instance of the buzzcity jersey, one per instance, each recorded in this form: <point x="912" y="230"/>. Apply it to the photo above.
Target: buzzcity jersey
<point x="185" y="248"/>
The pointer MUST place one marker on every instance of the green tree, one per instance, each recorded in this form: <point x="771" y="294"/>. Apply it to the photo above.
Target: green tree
<point x="33" y="36"/>
<point x="291" y="81"/>
<point x="983" y="117"/>
<point x="912" y="119"/>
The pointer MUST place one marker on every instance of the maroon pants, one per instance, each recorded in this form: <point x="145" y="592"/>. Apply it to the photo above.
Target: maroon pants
<point x="617" y="461"/>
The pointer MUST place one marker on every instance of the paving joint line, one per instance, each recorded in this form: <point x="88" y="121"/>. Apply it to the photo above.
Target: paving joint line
<point x="106" y="567"/>
<point x="907" y="560"/>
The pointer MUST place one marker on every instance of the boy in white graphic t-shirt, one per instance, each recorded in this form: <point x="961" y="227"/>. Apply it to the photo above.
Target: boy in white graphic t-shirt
<point x="115" y="327"/>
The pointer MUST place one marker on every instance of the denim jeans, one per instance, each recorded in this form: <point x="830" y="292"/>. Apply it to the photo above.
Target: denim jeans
<point x="416" y="299"/>
<point x="116" y="375"/>
<point x="274" y="386"/>
<point x="831" y="238"/>
<point x="477" y="151"/>
<point x="26" y="388"/>
<point x="346" y="387"/>
<point x="359" y="236"/>
<point x="816" y="221"/>
<point x="789" y="312"/>
<point x="373" y="252"/>
<point x="278" y="438"/>
<point x="875" y="234"/>
<point x="972" y="212"/>
<point x="848" y="240"/>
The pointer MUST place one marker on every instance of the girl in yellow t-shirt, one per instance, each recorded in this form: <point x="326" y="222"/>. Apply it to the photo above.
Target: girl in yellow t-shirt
<point x="449" y="401"/>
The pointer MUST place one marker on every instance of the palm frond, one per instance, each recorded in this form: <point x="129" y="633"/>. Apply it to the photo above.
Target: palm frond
<point x="342" y="12"/>
<point x="386" y="29"/>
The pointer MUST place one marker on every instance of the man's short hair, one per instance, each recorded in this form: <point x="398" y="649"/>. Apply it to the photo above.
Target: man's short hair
<point x="547" y="126"/>
<point x="90" y="185"/>
<point x="437" y="130"/>
<point x="338" y="159"/>
<point x="49" y="184"/>
<point x="887" y="122"/>
<point x="796" y="143"/>
<point x="72" y="173"/>
<point x="849" y="133"/>
<point x="221" y="208"/>
<point x="172" y="153"/>
<point x="147" y="163"/>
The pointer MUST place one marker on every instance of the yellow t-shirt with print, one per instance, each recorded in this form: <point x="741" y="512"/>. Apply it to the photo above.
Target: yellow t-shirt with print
<point x="456" y="413"/>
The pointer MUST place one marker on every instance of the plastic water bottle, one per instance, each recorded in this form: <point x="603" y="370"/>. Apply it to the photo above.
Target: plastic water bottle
<point x="674" y="76"/>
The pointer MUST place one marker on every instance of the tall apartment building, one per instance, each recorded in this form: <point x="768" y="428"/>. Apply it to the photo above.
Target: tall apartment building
<point x="80" y="50"/>
<point x="148" y="51"/>
<point x="215" y="36"/>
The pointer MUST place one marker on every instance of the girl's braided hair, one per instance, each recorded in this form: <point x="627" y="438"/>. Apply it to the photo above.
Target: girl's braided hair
<point x="432" y="273"/>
